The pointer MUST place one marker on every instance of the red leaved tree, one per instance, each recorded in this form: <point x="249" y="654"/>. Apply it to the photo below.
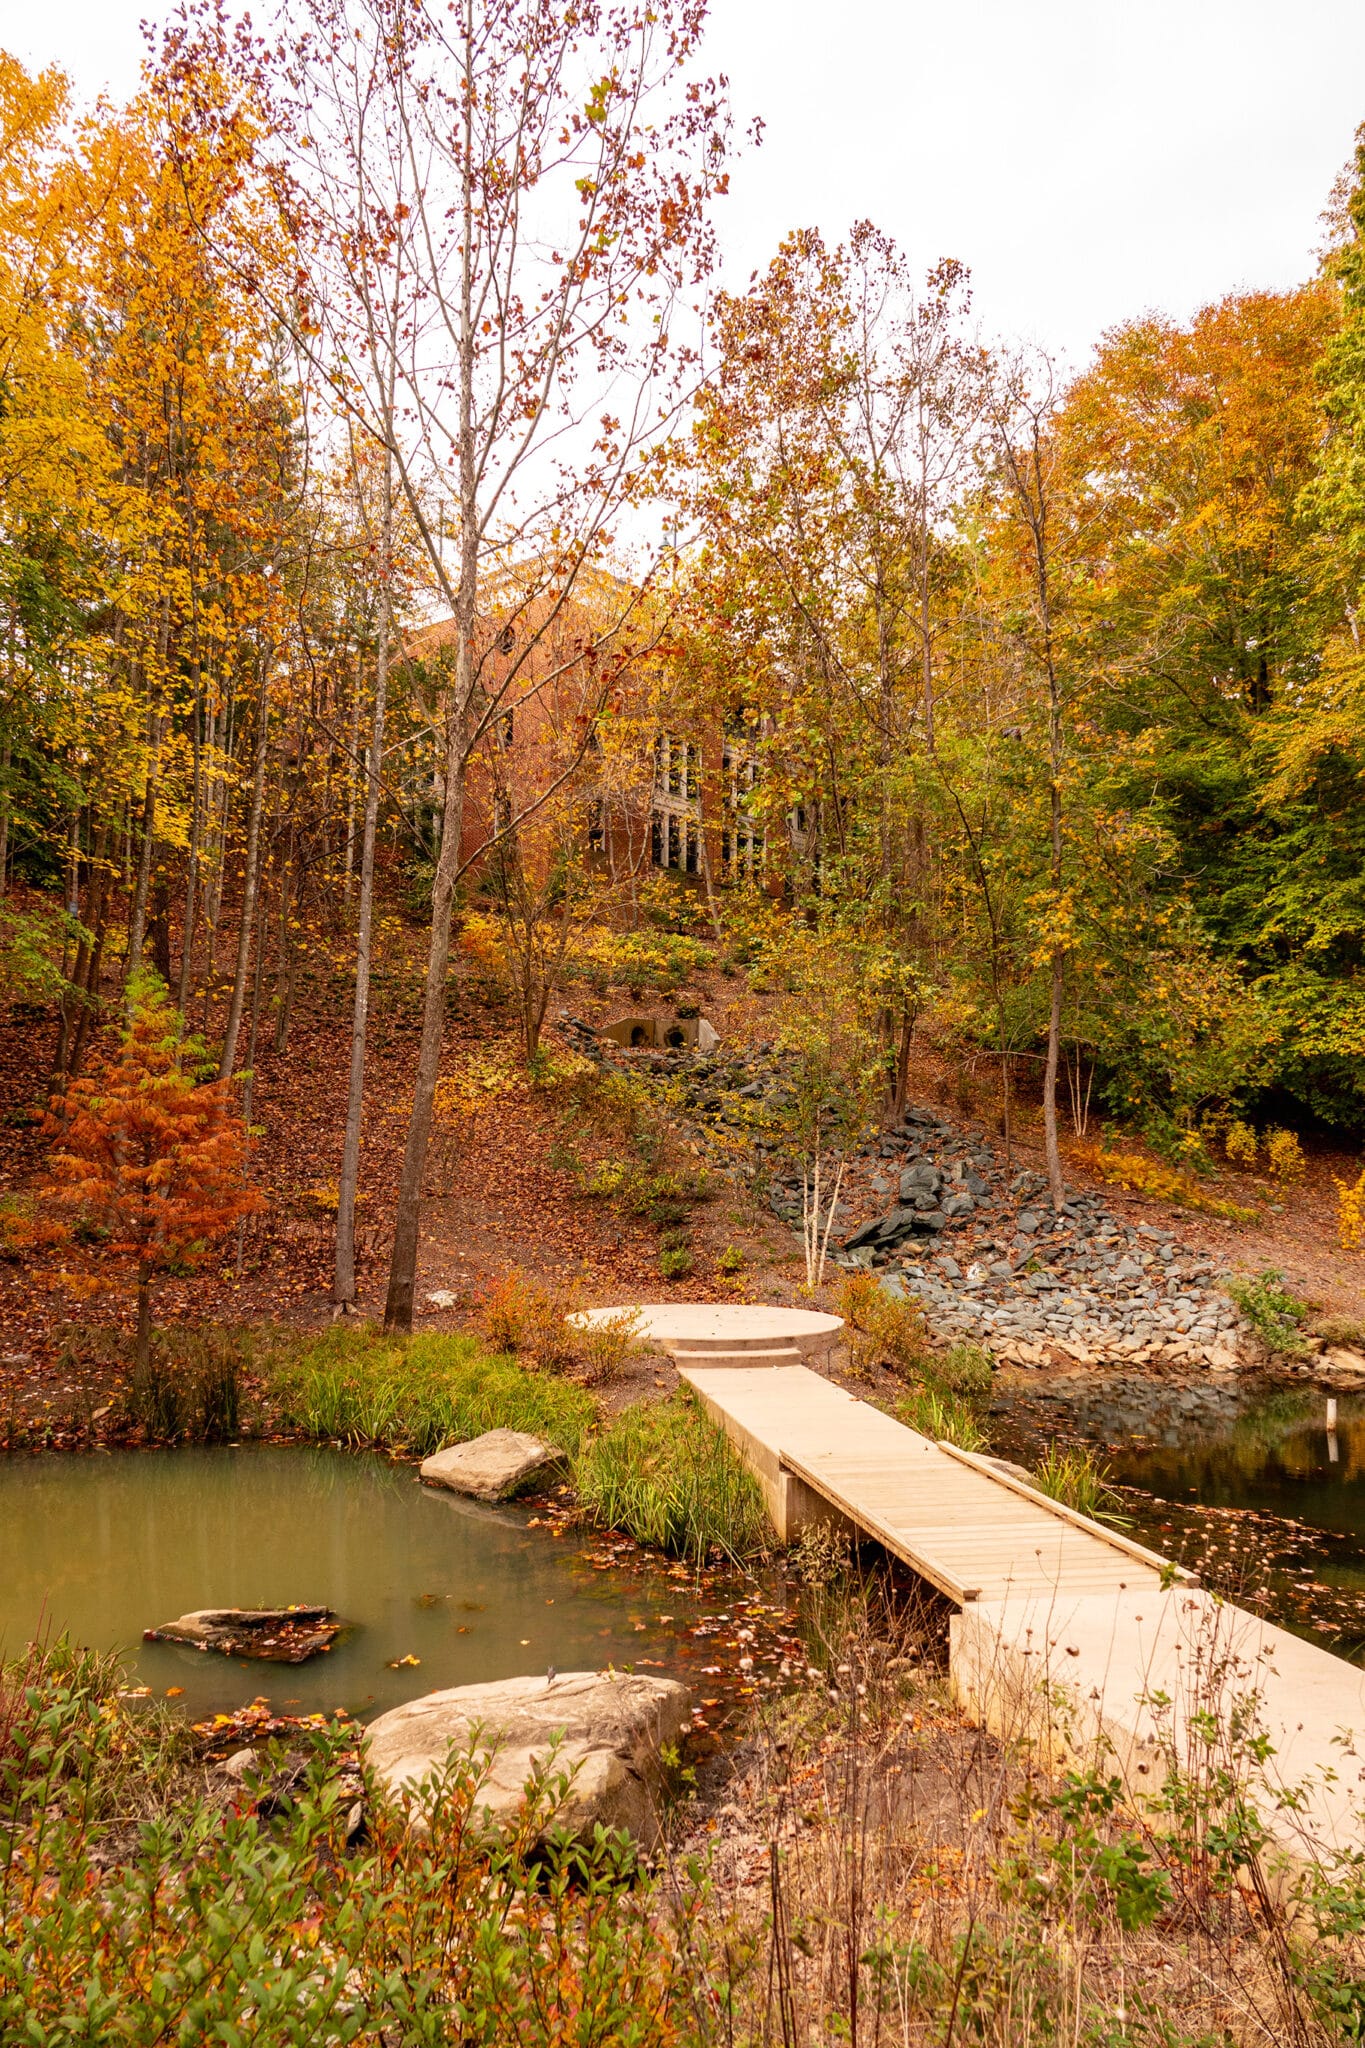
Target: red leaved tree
<point x="149" y="1167"/>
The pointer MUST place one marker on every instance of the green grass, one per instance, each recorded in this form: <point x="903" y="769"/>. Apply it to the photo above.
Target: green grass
<point x="358" y="1386"/>
<point x="666" y="1475"/>
<point x="943" y="1417"/>
<point x="1080" y="1480"/>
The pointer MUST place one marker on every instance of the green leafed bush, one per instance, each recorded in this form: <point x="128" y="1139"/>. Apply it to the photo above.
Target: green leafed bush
<point x="1272" y="1311"/>
<point x="664" y="1473"/>
<point x="964" y="1371"/>
<point x="419" y="1393"/>
<point x="215" y="1923"/>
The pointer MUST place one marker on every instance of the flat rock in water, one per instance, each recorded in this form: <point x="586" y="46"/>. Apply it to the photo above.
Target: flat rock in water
<point x="275" y="1635"/>
<point x="613" y="1726"/>
<point x="493" y="1466"/>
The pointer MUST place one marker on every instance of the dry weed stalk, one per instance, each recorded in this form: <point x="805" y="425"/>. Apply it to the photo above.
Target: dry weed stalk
<point x="897" y="1877"/>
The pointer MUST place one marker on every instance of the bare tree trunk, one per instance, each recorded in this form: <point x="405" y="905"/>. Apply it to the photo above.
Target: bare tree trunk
<point x="137" y="929"/>
<point x="907" y="1033"/>
<point x="349" y="881"/>
<point x="159" y="928"/>
<point x="343" y="1286"/>
<point x="398" y="1306"/>
<point x="5" y="759"/>
<point x="249" y="1091"/>
<point x="1056" y="1183"/>
<point x="251" y="881"/>
<point x="182" y="994"/>
<point x="142" y="1343"/>
<point x="402" y="1289"/>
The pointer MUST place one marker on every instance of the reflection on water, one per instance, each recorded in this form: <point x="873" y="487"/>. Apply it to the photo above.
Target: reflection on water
<point x="1279" y="1457"/>
<point x="1273" y="1506"/>
<point x="106" y="1546"/>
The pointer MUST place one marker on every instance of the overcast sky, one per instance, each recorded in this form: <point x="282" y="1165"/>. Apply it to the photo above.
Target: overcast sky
<point x="1087" y="159"/>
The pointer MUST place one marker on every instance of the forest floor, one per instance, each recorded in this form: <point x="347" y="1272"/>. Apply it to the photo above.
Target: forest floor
<point x="501" y="1200"/>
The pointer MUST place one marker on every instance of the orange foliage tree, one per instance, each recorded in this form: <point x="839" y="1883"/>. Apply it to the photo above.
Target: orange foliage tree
<point x="150" y="1161"/>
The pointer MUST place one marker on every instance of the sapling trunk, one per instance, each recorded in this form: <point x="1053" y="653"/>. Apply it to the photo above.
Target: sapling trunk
<point x="344" y="1283"/>
<point x="137" y="929"/>
<point x="142" y="1342"/>
<point x="251" y="882"/>
<point x="1056" y="1183"/>
<point x="817" y="1239"/>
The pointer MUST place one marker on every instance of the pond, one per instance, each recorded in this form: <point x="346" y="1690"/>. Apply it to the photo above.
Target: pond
<point x="1243" y="1480"/>
<point x="104" y="1546"/>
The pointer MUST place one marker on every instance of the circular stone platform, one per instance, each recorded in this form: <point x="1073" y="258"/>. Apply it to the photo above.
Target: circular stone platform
<point x="728" y="1329"/>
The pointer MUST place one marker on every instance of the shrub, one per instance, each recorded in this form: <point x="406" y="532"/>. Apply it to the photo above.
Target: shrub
<point x="942" y="1417"/>
<point x="192" y="1384"/>
<point x="1150" y="1177"/>
<point x="675" y="1262"/>
<point x="883" y="1328"/>
<point x="518" y="1314"/>
<point x="965" y="1371"/>
<point x="417" y="1394"/>
<point x="639" y="960"/>
<point x="1078" y="1479"/>
<point x="1272" y="1311"/>
<point x="17" y="1218"/>
<point x="663" y="1472"/>
<point x="731" y="1261"/>
<point x="1284" y="1156"/>
<point x="1342" y="1330"/>
<point x="1351" y="1213"/>
<point x="1239" y="1143"/>
<point x="244" y="1925"/>
<point x="643" y="1191"/>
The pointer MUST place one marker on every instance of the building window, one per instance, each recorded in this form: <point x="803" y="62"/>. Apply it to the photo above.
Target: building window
<point x="675" y="827"/>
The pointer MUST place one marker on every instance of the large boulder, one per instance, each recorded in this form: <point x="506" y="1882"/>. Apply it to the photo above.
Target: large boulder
<point x="493" y="1466"/>
<point x="611" y="1729"/>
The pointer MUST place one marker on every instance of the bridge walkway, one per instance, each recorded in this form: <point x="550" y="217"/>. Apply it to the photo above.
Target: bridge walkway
<point x="973" y="1530"/>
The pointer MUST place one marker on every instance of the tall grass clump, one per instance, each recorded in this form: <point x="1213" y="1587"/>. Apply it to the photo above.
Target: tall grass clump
<point x="663" y="1472"/>
<point x="942" y="1416"/>
<point x="1078" y="1479"/>
<point x="419" y="1393"/>
<point x="965" y="1371"/>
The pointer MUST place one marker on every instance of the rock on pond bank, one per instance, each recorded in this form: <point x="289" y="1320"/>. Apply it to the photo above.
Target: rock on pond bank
<point x="494" y="1466"/>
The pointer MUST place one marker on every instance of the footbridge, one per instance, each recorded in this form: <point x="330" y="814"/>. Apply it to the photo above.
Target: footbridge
<point x="1069" y="1635"/>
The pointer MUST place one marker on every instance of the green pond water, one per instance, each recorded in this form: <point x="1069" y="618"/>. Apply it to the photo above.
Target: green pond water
<point x="104" y="1546"/>
<point x="1279" y="1458"/>
<point x="1262" y="1498"/>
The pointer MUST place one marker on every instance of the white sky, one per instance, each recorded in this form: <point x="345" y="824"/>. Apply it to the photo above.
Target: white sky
<point x="1088" y="159"/>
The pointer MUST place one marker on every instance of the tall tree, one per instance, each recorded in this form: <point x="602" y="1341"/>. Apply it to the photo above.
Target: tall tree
<point x="551" y="174"/>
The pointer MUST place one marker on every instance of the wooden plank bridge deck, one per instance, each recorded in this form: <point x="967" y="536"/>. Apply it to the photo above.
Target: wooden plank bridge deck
<point x="1070" y="1637"/>
<point x="959" y="1521"/>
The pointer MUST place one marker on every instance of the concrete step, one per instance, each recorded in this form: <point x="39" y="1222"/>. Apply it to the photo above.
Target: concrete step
<point x="700" y="1361"/>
